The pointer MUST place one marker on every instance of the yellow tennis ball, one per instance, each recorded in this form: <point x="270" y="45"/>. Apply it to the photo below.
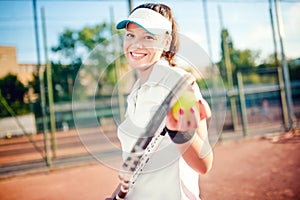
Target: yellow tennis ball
<point x="185" y="101"/>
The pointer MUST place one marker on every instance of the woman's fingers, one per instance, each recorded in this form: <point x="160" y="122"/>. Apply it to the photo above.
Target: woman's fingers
<point x="182" y="124"/>
<point x="171" y="122"/>
<point x="194" y="118"/>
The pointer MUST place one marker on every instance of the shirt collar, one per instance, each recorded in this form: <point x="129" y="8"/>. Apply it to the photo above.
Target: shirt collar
<point x="157" y="73"/>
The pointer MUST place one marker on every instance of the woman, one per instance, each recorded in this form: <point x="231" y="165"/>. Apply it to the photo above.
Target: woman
<point x="150" y="46"/>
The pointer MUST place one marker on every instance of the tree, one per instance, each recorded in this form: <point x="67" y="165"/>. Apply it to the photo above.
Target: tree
<point x="294" y="68"/>
<point x="13" y="91"/>
<point x="89" y="37"/>
<point x="73" y="47"/>
<point x="241" y="60"/>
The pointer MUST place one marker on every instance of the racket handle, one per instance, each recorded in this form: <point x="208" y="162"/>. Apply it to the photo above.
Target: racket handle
<point x="118" y="194"/>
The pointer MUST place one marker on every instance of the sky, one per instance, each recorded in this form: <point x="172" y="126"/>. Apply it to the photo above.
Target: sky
<point x="248" y="23"/>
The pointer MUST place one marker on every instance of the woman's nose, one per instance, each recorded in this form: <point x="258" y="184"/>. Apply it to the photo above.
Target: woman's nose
<point x="136" y="43"/>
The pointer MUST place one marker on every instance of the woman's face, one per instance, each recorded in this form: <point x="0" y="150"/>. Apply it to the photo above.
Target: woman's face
<point x="142" y="49"/>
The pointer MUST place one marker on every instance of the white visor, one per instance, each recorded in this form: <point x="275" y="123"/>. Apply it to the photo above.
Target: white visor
<point x="150" y="20"/>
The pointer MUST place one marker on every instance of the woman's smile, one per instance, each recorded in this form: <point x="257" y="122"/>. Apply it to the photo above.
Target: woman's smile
<point x="138" y="55"/>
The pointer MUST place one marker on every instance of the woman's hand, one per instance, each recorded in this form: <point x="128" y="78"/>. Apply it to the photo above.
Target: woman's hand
<point x="197" y="153"/>
<point x="197" y="119"/>
<point x="182" y="124"/>
<point x="196" y="114"/>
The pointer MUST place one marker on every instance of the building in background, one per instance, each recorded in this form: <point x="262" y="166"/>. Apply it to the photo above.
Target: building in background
<point x="9" y="64"/>
<point x="24" y="72"/>
<point x="8" y="60"/>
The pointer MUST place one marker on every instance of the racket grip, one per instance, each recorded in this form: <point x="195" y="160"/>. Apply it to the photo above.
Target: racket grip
<point x="119" y="194"/>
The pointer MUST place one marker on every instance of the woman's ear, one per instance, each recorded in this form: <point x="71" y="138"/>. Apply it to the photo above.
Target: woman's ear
<point x="168" y="42"/>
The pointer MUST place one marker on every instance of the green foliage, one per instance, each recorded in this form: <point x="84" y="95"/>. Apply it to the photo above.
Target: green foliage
<point x="241" y="60"/>
<point x="35" y="83"/>
<point x="66" y="46"/>
<point x="294" y="69"/>
<point x="246" y="61"/>
<point x="74" y="45"/>
<point x="92" y="36"/>
<point x="13" y="92"/>
<point x="63" y="77"/>
<point x="293" y="66"/>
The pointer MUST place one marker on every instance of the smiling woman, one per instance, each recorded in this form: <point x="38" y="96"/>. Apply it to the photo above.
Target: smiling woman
<point x="150" y="46"/>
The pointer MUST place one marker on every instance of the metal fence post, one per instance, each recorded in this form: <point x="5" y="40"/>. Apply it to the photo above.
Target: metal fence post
<point x="242" y="103"/>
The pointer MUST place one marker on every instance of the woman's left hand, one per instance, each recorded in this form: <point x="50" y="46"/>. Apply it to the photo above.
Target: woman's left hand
<point x="182" y="124"/>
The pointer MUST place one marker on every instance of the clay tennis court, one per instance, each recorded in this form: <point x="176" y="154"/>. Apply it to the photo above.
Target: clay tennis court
<point x="251" y="168"/>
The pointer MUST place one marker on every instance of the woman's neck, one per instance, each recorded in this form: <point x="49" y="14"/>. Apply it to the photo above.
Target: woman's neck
<point x="144" y="74"/>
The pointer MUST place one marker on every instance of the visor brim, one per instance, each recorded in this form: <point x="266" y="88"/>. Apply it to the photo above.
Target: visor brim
<point x="139" y="22"/>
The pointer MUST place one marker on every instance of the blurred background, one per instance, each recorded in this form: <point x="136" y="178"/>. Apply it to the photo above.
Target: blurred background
<point x="43" y="43"/>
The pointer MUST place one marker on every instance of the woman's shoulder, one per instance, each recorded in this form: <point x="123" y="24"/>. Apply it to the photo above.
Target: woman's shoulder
<point x="166" y="76"/>
<point x="164" y="67"/>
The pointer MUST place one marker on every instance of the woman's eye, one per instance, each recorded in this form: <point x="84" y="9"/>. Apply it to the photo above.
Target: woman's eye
<point x="149" y="37"/>
<point x="129" y="35"/>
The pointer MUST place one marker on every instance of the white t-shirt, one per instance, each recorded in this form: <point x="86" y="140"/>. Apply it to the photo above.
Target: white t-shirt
<point x="166" y="175"/>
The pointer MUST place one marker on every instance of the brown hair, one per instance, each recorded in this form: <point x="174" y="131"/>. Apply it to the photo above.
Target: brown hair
<point x="166" y="11"/>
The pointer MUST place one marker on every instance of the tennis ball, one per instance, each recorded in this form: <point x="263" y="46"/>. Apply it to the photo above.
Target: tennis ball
<point x="185" y="101"/>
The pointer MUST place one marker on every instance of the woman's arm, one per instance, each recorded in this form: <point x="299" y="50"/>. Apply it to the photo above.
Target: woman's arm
<point x="197" y="151"/>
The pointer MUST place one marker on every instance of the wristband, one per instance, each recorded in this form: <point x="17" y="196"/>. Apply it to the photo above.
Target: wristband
<point x="180" y="137"/>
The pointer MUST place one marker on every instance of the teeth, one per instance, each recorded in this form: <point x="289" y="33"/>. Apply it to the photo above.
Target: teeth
<point x="137" y="54"/>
